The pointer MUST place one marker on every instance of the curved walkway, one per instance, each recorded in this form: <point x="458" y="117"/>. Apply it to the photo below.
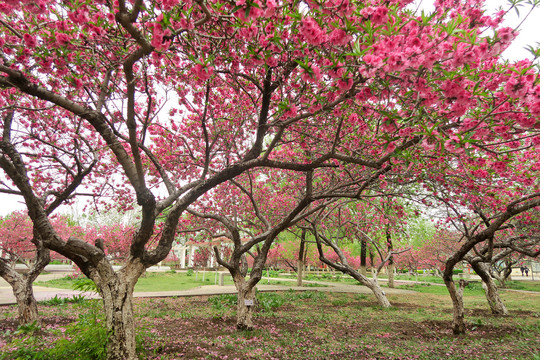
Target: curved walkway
<point x="45" y="293"/>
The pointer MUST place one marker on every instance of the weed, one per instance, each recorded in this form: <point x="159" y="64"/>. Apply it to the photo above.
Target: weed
<point x="57" y="301"/>
<point x="85" y="285"/>
<point x="340" y="302"/>
<point x="269" y="301"/>
<point x="25" y="329"/>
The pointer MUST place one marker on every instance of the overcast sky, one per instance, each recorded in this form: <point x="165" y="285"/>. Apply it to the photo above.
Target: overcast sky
<point x="529" y="35"/>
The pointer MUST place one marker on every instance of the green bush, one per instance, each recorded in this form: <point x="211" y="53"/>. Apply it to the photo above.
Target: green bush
<point x="190" y="272"/>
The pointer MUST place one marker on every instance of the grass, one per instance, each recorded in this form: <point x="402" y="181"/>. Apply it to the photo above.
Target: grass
<point x="170" y="281"/>
<point x="527" y="285"/>
<point x="289" y="325"/>
<point x="152" y="281"/>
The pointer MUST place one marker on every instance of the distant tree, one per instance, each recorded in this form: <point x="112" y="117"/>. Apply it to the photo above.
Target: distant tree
<point x="20" y="244"/>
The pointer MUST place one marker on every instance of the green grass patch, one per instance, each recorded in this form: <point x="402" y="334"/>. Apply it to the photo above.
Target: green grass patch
<point x="527" y="285"/>
<point x="474" y="288"/>
<point x="152" y="281"/>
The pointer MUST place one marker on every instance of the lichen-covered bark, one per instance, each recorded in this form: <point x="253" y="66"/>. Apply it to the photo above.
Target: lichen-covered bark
<point x="245" y="305"/>
<point x="116" y="290"/>
<point x="456" y="294"/>
<point x="21" y="284"/>
<point x="26" y="302"/>
<point x="390" y="268"/>
<point x="490" y="288"/>
<point x="378" y="292"/>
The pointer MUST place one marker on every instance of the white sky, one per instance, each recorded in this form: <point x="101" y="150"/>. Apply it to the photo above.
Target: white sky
<point x="529" y="35"/>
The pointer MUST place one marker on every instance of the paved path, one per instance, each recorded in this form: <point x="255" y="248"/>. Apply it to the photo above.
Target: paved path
<point x="45" y="293"/>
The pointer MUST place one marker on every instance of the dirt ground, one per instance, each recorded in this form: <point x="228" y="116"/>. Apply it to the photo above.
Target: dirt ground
<point x="325" y="326"/>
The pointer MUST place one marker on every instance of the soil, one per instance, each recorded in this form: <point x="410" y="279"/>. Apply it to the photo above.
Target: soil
<point x="190" y="328"/>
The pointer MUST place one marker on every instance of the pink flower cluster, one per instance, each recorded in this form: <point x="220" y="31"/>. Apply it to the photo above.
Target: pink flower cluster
<point x="255" y="10"/>
<point x="159" y="36"/>
<point x="312" y="32"/>
<point x="36" y="7"/>
<point x="339" y="37"/>
<point x="313" y="74"/>
<point x="378" y="15"/>
<point x="203" y="72"/>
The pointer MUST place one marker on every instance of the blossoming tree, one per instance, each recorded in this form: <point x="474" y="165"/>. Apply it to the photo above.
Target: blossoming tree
<point x="20" y="244"/>
<point x="178" y="97"/>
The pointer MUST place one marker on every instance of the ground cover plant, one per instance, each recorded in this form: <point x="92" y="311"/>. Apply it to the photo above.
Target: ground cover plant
<point x="290" y="325"/>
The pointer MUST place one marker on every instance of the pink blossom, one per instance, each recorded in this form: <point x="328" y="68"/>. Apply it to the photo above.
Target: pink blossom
<point x="453" y="145"/>
<point x="501" y="129"/>
<point x="62" y="39"/>
<point x="396" y="62"/>
<point x="291" y="112"/>
<point x="499" y="167"/>
<point x="30" y="40"/>
<point x="312" y="32"/>
<point x="203" y="71"/>
<point x="506" y="34"/>
<point x="389" y="125"/>
<point x="373" y="60"/>
<point x="516" y="88"/>
<point x="339" y="37"/>
<point x="345" y="84"/>
<point x="380" y="15"/>
<point x="527" y="121"/>
<point x="313" y="74"/>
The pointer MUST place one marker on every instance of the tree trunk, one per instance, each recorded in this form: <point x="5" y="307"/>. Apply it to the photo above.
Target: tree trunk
<point x="363" y="255"/>
<point x="116" y="290"/>
<point x="245" y="305"/>
<point x="21" y="284"/>
<point x="391" y="266"/>
<point x="26" y="302"/>
<point x="458" y="322"/>
<point x="492" y="293"/>
<point x="373" y="285"/>
<point x="300" y="267"/>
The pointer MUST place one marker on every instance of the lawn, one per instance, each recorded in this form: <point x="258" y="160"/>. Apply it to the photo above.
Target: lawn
<point x="154" y="281"/>
<point x="170" y="281"/>
<point x="289" y="325"/>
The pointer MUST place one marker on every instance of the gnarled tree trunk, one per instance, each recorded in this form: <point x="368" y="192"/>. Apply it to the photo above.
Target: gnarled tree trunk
<point x="116" y="290"/>
<point x="456" y="294"/>
<point x="26" y="302"/>
<point x="245" y="305"/>
<point x="21" y="284"/>
<point x="373" y="285"/>
<point x="490" y="288"/>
